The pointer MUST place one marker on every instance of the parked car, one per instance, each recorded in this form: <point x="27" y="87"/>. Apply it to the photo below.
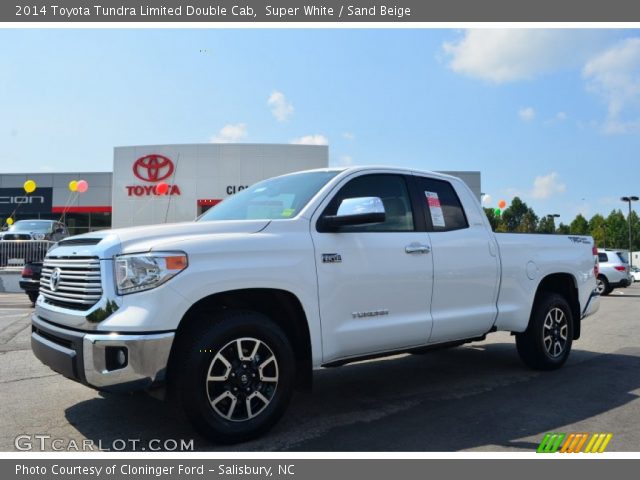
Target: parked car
<point x="305" y="271"/>
<point x="36" y="230"/>
<point x="614" y="271"/>
<point x="635" y="273"/>
<point x="29" y="240"/>
<point x="30" y="281"/>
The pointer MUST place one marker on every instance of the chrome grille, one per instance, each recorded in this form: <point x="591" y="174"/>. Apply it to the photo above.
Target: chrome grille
<point x="79" y="286"/>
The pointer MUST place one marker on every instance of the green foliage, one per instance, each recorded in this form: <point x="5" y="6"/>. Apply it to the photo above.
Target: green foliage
<point x="598" y="230"/>
<point x="617" y="230"/>
<point x="547" y="225"/>
<point x="579" y="226"/>
<point x="493" y="219"/>
<point x="609" y="232"/>
<point x="519" y="217"/>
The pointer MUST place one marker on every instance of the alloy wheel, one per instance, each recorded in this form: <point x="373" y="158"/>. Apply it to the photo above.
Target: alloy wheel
<point x="242" y="379"/>
<point x="555" y="332"/>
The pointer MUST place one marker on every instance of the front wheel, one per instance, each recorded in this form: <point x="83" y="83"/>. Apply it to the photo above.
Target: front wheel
<point x="235" y="378"/>
<point x="546" y="343"/>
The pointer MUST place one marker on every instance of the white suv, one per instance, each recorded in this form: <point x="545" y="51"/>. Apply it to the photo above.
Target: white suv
<point x="614" y="271"/>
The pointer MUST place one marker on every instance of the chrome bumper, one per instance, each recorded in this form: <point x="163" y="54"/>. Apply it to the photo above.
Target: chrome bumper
<point x="89" y="357"/>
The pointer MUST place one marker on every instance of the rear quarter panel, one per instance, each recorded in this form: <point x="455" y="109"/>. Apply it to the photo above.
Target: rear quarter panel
<point x="527" y="259"/>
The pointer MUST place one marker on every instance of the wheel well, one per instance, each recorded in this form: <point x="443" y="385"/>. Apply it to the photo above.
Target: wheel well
<point x="281" y="306"/>
<point x="563" y="284"/>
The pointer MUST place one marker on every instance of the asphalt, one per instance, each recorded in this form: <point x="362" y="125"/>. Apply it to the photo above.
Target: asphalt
<point x="477" y="397"/>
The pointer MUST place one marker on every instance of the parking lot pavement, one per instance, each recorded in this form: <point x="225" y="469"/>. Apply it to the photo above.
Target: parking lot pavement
<point x="476" y="397"/>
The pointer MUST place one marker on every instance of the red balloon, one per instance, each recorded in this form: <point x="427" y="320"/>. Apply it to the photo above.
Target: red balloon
<point x="162" y="188"/>
<point x="83" y="186"/>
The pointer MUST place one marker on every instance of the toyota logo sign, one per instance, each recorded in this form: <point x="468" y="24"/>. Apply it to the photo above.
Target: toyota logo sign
<point x="153" y="168"/>
<point x="54" y="281"/>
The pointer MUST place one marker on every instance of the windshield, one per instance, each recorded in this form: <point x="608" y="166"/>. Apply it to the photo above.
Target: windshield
<point x="27" y="226"/>
<point x="280" y="197"/>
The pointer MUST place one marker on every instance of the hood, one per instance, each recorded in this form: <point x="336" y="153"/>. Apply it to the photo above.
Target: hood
<point x="107" y="243"/>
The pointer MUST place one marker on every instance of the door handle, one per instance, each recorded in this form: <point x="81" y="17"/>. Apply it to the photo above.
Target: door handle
<point x="417" y="248"/>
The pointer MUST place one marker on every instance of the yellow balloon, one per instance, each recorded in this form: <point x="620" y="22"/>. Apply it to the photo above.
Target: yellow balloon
<point x="29" y="186"/>
<point x="73" y="185"/>
<point x="9" y="221"/>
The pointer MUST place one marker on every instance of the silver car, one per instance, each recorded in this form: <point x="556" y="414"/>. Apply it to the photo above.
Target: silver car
<point x="614" y="271"/>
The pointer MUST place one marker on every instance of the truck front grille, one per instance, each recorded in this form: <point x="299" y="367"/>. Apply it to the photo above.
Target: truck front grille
<point x="79" y="286"/>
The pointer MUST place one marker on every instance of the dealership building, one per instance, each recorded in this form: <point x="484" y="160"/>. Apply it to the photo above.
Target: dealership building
<point x="160" y="183"/>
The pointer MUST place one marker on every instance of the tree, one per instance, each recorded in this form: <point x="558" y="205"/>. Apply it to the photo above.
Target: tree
<point x="617" y="230"/>
<point x="529" y="223"/>
<point x="513" y="217"/>
<point x="598" y="230"/>
<point x="566" y="229"/>
<point x="546" y="225"/>
<point x="579" y="226"/>
<point x="635" y="231"/>
<point x="493" y="219"/>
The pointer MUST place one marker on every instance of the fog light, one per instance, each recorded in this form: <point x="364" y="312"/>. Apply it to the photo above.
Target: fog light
<point x="116" y="358"/>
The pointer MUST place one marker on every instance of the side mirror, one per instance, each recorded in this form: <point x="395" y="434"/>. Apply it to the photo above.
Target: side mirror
<point x="355" y="211"/>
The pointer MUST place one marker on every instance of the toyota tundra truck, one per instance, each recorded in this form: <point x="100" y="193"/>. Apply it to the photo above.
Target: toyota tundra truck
<point x="231" y="313"/>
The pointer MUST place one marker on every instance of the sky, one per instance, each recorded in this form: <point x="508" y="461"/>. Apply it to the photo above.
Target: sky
<point x="550" y="115"/>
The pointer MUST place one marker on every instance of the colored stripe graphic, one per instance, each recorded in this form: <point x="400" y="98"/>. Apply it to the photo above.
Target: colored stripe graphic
<point x="573" y="442"/>
<point x="598" y="442"/>
<point x="550" y="443"/>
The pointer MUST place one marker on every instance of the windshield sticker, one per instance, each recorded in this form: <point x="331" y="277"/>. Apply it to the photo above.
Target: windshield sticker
<point x="437" y="217"/>
<point x="287" y="212"/>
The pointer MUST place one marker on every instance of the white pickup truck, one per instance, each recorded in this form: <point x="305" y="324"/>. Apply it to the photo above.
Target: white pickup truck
<point x="315" y="269"/>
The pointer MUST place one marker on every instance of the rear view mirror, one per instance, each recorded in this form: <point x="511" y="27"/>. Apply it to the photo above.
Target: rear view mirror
<point x="355" y="211"/>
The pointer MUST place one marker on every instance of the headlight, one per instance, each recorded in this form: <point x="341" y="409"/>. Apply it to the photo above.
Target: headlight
<point x="38" y="236"/>
<point x="138" y="272"/>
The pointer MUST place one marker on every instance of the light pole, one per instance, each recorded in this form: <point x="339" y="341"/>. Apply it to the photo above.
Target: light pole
<point x="553" y="217"/>
<point x="629" y="200"/>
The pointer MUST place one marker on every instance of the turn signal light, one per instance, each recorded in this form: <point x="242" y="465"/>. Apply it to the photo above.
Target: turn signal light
<point x="178" y="262"/>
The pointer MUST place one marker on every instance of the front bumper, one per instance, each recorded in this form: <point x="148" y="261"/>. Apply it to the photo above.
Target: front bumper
<point x="29" y="285"/>
<point x="90" y="358"/>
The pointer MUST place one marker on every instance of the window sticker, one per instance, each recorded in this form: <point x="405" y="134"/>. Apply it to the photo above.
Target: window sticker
<point x="287" y="212"/>
<point x="437" y="217"/>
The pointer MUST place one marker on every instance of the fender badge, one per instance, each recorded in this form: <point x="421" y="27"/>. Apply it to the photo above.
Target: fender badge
<point x="331" y="258"/>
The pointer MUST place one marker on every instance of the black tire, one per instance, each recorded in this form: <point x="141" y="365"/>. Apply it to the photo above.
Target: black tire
<point x="209" y="403"/>
<point x="546" y="343"/>
<point x="602" y="286"/>
<point x="33" y="296"/>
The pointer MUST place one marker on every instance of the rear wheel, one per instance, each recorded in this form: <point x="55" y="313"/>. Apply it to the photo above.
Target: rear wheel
<point x="546" y="343"/>
<point x="602" y="286"/>
<point x="234" y="377"/>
